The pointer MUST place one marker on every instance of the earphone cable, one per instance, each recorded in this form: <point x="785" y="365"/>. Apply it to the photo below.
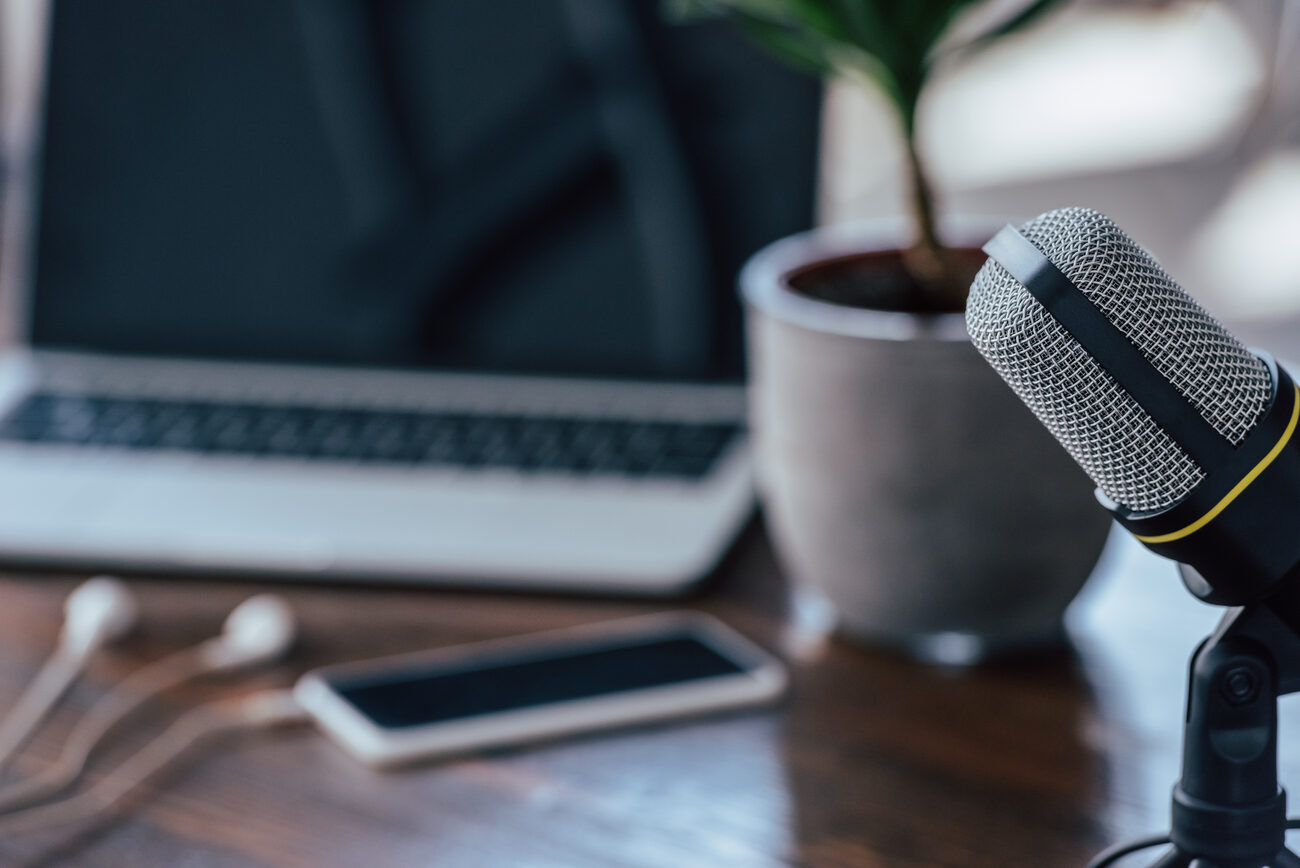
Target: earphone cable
<point x="260" y="710"/>
<point x="136" y="689"/>
<point x="37" y="701"/>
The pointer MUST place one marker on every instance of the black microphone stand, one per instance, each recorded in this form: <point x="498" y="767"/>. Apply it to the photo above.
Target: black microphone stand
<point x="1228" y="808"/>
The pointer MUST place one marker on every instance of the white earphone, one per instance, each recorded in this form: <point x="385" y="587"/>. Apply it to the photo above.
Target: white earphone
<point x="259" y="630"/>
<point x="99" y="612"/>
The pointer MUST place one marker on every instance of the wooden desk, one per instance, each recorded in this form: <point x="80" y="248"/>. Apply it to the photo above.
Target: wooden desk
<point x="873" y="761"/>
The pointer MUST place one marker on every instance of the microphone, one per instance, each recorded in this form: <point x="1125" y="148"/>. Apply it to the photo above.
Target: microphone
<point x="1187" y="434"/>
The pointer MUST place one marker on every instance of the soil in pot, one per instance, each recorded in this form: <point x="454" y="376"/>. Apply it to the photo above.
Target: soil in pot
<point x="878" y="281"/>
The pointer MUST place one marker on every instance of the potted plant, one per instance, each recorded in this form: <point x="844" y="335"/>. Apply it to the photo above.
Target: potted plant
<point x="902" y="481"/>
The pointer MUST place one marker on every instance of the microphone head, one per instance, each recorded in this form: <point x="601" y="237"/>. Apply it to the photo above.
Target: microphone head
<point x="1126" y="453"/>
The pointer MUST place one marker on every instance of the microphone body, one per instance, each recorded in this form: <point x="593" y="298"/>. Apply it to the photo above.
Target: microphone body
<point x="1190" y="437"/>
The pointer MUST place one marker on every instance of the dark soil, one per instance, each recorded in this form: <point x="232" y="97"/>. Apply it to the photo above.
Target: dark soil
<point x="877" y="281"/>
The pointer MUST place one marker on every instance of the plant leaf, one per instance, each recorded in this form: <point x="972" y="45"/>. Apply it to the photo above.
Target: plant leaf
<point x="1021" y="19"/>
<point x="790" y="45"/>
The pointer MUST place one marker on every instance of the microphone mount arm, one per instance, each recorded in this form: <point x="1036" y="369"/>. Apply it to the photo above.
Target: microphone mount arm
<point x="1228" y="809"/>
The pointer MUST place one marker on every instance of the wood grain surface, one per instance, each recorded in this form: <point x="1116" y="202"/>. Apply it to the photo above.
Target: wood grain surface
<point x="873" y="760"/>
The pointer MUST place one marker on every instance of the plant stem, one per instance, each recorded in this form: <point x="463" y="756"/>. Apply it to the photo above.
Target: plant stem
<point x="927" y="260"/>
<point x="922" y="195"/>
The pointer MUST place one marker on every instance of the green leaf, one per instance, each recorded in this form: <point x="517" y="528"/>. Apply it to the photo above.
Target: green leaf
<point x="815" y="15"/>
<point x="867" y="25"/>
<point x="789" y="45"/>
<point x="1020" y="20"/>
<point x="861" y="20"/>
<point x="890" y="42"/>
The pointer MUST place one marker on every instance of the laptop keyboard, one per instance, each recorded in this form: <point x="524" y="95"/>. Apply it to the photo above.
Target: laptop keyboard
<point x="527" y="443"/>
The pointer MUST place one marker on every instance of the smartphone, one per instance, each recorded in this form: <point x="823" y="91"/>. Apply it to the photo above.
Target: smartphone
<point x="505" y="692"/>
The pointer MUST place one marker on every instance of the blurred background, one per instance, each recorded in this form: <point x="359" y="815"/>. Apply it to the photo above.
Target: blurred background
<point x="1178" y="119"/>
<point x="460" y="185"/>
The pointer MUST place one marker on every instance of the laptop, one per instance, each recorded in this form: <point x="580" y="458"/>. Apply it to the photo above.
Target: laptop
<point x="390" y="292"/>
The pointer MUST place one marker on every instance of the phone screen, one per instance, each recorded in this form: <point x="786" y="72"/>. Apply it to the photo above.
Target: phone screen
<point x="525" y="678"/>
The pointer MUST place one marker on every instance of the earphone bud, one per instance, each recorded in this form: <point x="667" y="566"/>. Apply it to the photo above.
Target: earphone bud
<point x="97" y="613"/>
<point x="258" y="630"/>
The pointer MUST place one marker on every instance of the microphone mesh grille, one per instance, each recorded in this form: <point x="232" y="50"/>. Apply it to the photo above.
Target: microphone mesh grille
<point x="1129" y="457"/>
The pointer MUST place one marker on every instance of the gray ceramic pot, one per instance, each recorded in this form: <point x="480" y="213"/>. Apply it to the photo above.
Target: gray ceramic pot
<point x="902" y="480"/>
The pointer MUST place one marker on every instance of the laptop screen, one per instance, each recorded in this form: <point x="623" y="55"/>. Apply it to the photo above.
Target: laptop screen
<point x="507" y="186"/>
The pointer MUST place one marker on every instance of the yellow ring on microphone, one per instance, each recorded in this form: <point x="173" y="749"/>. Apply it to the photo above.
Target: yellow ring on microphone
<point x="1236" y="489"/>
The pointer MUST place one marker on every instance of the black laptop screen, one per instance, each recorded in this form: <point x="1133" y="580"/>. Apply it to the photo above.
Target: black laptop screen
<point x="457" y="185"/>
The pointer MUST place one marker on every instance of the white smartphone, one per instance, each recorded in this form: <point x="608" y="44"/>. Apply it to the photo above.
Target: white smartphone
<point x="540" y="686"/>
